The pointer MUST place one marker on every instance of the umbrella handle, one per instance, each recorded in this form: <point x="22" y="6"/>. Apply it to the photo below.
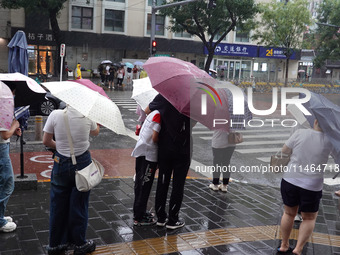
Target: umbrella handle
<point x="336" y="175"/>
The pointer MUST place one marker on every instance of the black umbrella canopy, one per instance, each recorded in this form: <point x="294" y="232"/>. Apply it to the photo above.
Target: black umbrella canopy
<point x="23" y="94"/>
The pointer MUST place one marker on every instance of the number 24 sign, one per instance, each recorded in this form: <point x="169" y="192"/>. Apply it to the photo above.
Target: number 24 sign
<point x="269" y="53"/>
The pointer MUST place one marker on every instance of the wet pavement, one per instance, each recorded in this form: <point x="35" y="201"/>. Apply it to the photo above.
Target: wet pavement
<point x="243" y="221"/>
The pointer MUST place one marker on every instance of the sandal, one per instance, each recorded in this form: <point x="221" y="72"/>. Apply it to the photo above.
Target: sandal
<point x="289" y="251"/>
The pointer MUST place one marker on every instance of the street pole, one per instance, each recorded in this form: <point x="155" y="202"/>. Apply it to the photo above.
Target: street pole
<point x="154" y="9"/>
<point x="153" y="25"/>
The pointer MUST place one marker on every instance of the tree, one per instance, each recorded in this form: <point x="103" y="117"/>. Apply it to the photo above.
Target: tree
<point x="283" y="25"/>
<point x="48" y="7"/>
<point x="328" y="43"/>
<point x="207" y="24"/>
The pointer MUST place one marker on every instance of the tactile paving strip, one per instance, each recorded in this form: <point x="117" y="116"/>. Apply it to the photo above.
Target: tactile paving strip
<point x="196" y="240"/>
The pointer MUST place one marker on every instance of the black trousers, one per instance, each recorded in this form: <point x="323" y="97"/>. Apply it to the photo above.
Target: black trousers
<point x="176" y="164"/>
<point x="221" y="161"/>
<point x="145" y="174"/>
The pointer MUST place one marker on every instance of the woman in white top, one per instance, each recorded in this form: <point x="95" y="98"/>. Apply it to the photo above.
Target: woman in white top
<point x="222" y="153"/>
<point x="301" y="186"/>
<point x="68" y="206"/>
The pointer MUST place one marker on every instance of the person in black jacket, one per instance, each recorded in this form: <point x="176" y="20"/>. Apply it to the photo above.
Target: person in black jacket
<point x="174" y="157"/>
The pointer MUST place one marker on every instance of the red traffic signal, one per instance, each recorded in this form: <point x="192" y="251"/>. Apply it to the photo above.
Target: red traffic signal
<point x="154" y="45"/>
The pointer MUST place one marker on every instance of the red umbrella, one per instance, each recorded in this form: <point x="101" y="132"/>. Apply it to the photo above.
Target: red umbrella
<point x="189" y="89"/>
<point x="92" y="86"/>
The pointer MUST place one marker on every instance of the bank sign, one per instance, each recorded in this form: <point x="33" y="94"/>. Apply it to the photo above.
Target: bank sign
<point x="237" y="50"/>
<point x="251" y="51"/>
<point x="270" y="52"/>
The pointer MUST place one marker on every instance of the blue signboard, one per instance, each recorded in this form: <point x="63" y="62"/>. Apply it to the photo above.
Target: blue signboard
<point x="270" y="52"/>
<point x="237" y="50"/>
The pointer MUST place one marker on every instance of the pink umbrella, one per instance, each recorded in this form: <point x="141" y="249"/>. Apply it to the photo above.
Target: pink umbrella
<point x="92" y="86"/>
<point x="190" y="90"/>
<point x="6" y="106"/>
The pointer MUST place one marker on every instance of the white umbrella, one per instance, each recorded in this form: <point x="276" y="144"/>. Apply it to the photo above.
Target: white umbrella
<point x="143" y="92"/>
<point x="89" y="103"/>
<point x="106" y="62"/>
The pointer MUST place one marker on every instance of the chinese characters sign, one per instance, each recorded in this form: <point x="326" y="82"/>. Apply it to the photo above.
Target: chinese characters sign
<point x="237" y="50"/>
<point x="268" y="52"/>
<point x="40" y="37"/>
<point x="253" y="51"/>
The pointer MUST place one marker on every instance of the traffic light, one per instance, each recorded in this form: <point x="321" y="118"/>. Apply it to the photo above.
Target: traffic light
<point x="212" y="4"/>
<point x="154" y="47"/>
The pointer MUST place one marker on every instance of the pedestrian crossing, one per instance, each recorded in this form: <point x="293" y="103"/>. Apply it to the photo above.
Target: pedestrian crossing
<point x="260" y="143"/>
<point x="125" y="103"/>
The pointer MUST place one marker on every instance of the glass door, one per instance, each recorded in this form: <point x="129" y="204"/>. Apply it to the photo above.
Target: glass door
<point x="237" y="70"/>
<point x="231" y="70"/>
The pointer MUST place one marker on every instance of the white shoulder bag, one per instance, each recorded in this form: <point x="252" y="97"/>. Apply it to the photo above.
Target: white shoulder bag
<point x="90" y="176"/>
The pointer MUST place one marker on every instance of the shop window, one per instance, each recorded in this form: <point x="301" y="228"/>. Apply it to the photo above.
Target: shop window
<point x="82" y="17"/>
<point x="183" y="34"/>
<point x="117" y="1"/>
<point x="241" y="36"/>
<point x="158" y="2"/>
<point x="114" y="20"/>
<point x="218" y="36"/>
<point x="160" y="25"/>
<point x="40" y="59"/>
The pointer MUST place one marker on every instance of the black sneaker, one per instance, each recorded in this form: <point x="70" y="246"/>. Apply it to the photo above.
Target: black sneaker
<point x="148" y="214"/>
<point x="178" y="224"/>
<point x="56" y="250"/>
<point x="88" y="247"/>
<point x="144" y="222"/>
<point x="162" y="222"/>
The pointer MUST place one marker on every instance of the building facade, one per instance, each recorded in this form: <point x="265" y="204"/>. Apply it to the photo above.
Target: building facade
<point x="96" y="30"/>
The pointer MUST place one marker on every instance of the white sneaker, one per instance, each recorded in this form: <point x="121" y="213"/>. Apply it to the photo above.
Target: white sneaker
<point x="298" y="218"/>
<point x="8" y="218"/>
<point x="213" y="186"/>
<point x="8" y="227"/>
<point x="223" y="187"/>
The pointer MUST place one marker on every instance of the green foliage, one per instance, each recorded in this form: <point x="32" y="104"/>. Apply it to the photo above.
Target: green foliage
<point x="328" y="45"/>
<point x="283" y="24"/>
<point x="43" y="6"/>
<point x="197" y="19"/>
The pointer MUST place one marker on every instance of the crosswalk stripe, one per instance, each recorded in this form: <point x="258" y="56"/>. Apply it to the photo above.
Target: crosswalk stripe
<point x="252" y="136"/>
<point x="262" y="142"/>
<point x="277" y="130"/>
<point x="331" y="181"/>
<point x="259" y="150"/>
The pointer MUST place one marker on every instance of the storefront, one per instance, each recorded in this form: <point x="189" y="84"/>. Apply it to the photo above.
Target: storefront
<point x="246" y="62"/>
<point x="41" y="51"/>
<point x="41" y="59"/>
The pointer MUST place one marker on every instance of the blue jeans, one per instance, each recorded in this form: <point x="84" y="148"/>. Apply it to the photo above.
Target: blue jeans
<point x="6" y="180"/>
<point x="68" y="207"/>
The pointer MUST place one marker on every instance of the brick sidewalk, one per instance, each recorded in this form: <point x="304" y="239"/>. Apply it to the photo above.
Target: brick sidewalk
<point x="243" y="221"/>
